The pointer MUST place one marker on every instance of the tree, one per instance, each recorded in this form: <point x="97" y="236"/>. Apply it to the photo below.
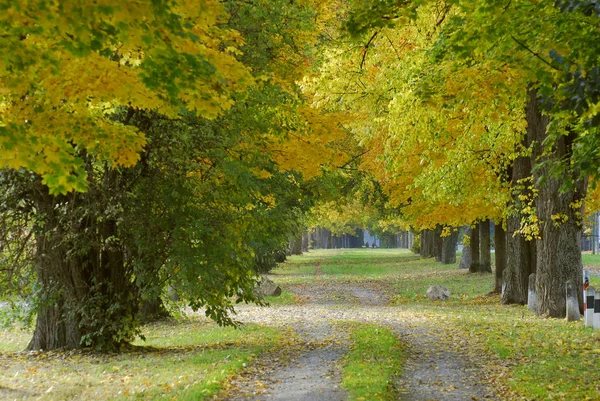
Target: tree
<point x="216" y="189"/>
<point x="485" y="261"/>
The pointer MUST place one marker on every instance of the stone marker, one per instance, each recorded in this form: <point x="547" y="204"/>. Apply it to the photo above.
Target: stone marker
<point x="597" y="310"/>
<point x="437" y="291"/>
<point x="588" y="306"/>
<point x="572" y="303"/>
<point x="531" y="299"/>
<point x="267" y="288"/>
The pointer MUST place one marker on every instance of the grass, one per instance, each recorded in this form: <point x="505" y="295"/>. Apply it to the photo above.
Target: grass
<point x="188" y="360"/>
<point x="375" y="358"/>
<point x="589" y="259"/>
<point x="527" y="357"/>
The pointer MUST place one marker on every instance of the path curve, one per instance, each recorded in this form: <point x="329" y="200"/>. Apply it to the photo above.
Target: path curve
<point x="434" y="371"/>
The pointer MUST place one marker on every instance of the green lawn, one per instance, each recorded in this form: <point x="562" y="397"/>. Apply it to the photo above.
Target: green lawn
<point x="187" y="360"/>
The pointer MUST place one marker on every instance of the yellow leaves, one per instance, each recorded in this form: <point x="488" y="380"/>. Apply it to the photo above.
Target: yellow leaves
<point x="65" y="72"/>
<point x="312" y="144"/>
<point x="261" y="173"/>
<point x="559" y="218"/>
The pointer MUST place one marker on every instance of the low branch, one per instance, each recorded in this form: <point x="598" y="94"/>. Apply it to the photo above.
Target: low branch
<point x="367" y="48"/>
<point x="536" y="54"/>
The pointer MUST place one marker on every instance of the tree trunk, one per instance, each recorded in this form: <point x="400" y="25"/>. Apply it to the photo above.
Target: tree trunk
<point x="559" y="215"/>
<point x="520" y="255"/>
<point x="500" y="255"/>
<point x="305" y="241"/>
<point x="438" y="243"/>
<point x="465" y="260"/>
<point x="474" y="245"/>
<point x="485" y="258"/>
<point x="427" y="244"/>
<point x="296" y="246"/>
<point x="449" y="248"/>
<point x="56" y="324"/>
<point x="87" y="298"/>
<point x="152" y="310"/>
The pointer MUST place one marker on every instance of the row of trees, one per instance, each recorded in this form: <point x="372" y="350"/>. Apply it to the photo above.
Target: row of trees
<point x="152" y="144"/>
<point x="470" y="111"/>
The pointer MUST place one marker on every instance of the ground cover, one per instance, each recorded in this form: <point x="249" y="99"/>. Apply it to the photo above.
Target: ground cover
<point x="528" y="357"/>
<point x="374" y="360"/>
<point x="183" y="360"/>
<point x="337" y="306"/>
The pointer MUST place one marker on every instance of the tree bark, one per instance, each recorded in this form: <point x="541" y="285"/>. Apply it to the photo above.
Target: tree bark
<point x="465" y="260"/>
<point x="485" y="255"/>
<point x="520" y="255"/>
<point x="87" y="297"/>
<point x="427" y="244"/>
<point x="449" y="248"/>
<point x="499" y="255"/>
<point x="438" y="243"/>
<point x="305" y="241"/>
<point x="559" y="213"/>
<point x="474" y="245"/>
<point x="296" y="246"/>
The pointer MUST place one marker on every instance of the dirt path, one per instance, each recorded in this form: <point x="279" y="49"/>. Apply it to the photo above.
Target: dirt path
<point x="435" y="370"/>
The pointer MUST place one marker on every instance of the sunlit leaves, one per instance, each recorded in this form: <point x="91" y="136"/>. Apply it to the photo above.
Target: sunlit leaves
<point x="63" y="63"/>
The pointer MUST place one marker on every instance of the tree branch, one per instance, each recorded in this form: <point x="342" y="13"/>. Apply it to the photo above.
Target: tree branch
<point x="537" y="55"/>
<point x="367" y="48"/>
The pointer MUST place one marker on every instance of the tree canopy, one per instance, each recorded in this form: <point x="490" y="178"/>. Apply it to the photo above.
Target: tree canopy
<point x="153" y="145"/>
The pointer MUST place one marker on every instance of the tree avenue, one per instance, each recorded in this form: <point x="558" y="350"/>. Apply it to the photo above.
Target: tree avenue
<point x="474" y="114"/>
<point x="150" y="148"/>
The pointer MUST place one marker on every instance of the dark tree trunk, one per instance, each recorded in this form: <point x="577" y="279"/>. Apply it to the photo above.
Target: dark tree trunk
<point x="465" y="260"/>
<point x="56" y="325"/>
<point x="87" y="297"/>
<point x="474" y="245"/>
<point x="559" y="213"/>
<point x="485" y="255"/>
<point x="305" y="241"/>
<point x="449" y="248"/>
<point x="520" y="252"/>
<point x="296" y="246"/>
<point x="438" y="243"/>
<point x="152" y="310"/>
<point x="427" y="244"/>
<point x="518" y="264"/>
<point x="499" y="255"/>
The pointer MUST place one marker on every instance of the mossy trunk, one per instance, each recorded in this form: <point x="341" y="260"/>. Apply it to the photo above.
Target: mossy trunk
<point x="559" y="210"/>
<point x="87" y="298"/>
